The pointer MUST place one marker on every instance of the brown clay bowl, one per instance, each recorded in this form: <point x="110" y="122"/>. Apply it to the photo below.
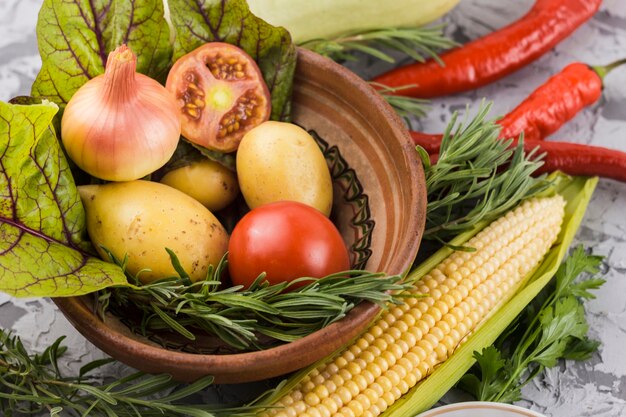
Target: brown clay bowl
<point x="380" y="204"/>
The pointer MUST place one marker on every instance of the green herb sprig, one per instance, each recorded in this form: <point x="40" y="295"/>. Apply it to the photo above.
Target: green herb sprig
<point x="241" y="317"/>
<point x="31" y="384"/>
<point x="551" y="328"/>
<point x="416" y="42"/>
<point x="477" y="177"/>
<point x="406" y="107"/>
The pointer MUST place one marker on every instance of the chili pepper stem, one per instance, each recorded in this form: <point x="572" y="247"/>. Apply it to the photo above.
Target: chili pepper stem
<point x="603" y="70"/>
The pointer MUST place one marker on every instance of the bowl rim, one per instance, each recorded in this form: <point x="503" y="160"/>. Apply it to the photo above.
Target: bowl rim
<point x="476" y="407"/>
<point x="180" y="364"/>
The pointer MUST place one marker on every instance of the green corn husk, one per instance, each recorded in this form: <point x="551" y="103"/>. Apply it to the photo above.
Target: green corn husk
<point x="577" y="192"/>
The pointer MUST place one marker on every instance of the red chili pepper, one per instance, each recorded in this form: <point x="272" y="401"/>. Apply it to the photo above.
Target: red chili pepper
<point x="496" y="55"/>
<point x="547" y="108"/>
<point x="571" y="158"/>
<point x="428" y="141"/>
<point x="579" y="159"/>
<point x="558" y="100"/>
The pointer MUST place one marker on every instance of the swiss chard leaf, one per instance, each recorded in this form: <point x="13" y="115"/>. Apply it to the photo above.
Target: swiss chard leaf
<point x="75" y="39"/>
<point x="201" y="21"/>
<point x="43" y="248"/>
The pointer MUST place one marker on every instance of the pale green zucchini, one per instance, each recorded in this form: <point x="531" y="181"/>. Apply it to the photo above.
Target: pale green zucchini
<point x="326" y="19"/>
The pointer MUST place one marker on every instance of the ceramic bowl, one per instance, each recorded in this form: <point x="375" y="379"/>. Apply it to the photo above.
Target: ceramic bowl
<point x="480" y="409"/>
<point x="380" y="203"/>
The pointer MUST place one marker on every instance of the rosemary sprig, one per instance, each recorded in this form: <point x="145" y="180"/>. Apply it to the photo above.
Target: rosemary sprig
<point x="238" y="316"/>
<point x="477" y="177"/>
<point x="33" y="384"/>
<point x="416" y="42"/>
<point x="406" y="107"/>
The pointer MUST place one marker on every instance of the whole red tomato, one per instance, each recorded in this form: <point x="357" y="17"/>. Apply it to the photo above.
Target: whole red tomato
<point x="286" y="240"/>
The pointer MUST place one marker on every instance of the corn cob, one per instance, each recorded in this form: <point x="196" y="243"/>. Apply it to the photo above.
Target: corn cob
<point x="407" y="342"/>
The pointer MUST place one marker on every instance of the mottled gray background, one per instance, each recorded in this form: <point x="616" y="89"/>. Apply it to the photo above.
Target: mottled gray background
<point x="594" y="388"/>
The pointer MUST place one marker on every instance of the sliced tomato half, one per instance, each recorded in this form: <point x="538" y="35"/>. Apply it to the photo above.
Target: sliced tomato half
<point x="221" y="95"/>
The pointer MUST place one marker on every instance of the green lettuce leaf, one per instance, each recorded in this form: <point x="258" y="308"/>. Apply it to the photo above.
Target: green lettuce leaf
<point x="43" y="246"/>
<point x="75" y="39"/>
<point x="201" y="21"/>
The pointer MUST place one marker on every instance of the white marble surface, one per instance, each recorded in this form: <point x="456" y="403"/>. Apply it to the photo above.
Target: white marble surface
<point x="596" y="387"/>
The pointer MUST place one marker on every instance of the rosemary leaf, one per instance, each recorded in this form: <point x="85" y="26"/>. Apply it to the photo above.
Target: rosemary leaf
<point x="478" y="176"/>
<point x="239" y="316"/>
<point x="33" y="384"/>
<point x="406" y="107"/>
<point x="416" y="42"/>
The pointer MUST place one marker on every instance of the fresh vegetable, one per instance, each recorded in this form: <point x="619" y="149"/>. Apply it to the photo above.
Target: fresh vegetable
<point x="307" y="20"/>
<point x="553" y="327"/>
<point x="409" y="341"/>
<point x="43" y="248"/>
<point x="570" y="158"/>
<point x="281" y="161"/>
<point x="220" y="95"/>
<point x="548" y="107"/>
<point x="140" y="219"/>
<point x="53" y="257"/>
<point x="577" y="193"/>
<point x="120" y="126"/>
<point x="285" y="240"/>
<point x="253" y="318"/>
<point x="207" y="181"/>
<point x="201" y="21"/>
<point x="496" y="55"/>
<point x="579" y="159"/>
<point x="74" y="39"/>
<point x="542" y="113"/>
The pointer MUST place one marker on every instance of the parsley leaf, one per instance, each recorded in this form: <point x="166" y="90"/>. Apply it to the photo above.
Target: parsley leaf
<point x="551" y="328"/>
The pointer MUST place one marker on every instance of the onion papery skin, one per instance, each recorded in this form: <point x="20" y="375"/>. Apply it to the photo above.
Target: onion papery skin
<point x="121" y="125"/>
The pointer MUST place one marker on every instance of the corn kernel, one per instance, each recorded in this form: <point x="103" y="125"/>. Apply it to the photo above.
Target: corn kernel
<point x="344" y="394"/>
<point x="437" y="333"/>
<point x="353" y="388"/>
<point x="364" y="401"/>
<point x="374" y="369"/>
<point x="355" y="407"/>
<point x="330" y="405"/>
<point x="360" y="381"/>
<point x="311" y="399"/>
<point x="403" y="346"/>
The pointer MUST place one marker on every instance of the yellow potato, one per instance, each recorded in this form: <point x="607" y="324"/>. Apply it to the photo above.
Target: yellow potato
<point x="280" y="161"/>
<point x="142" y="218"/>
<point x="207" y="181"/>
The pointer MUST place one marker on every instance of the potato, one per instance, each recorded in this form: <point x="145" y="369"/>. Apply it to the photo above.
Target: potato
<point x="142" y="218"/>
<point x="280" y="161"/>
<point x="207" y="181"/>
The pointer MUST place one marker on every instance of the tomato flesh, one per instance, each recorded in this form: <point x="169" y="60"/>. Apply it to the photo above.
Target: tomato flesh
<point x="286" y="240"/>
<point x="221" y="95"/>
